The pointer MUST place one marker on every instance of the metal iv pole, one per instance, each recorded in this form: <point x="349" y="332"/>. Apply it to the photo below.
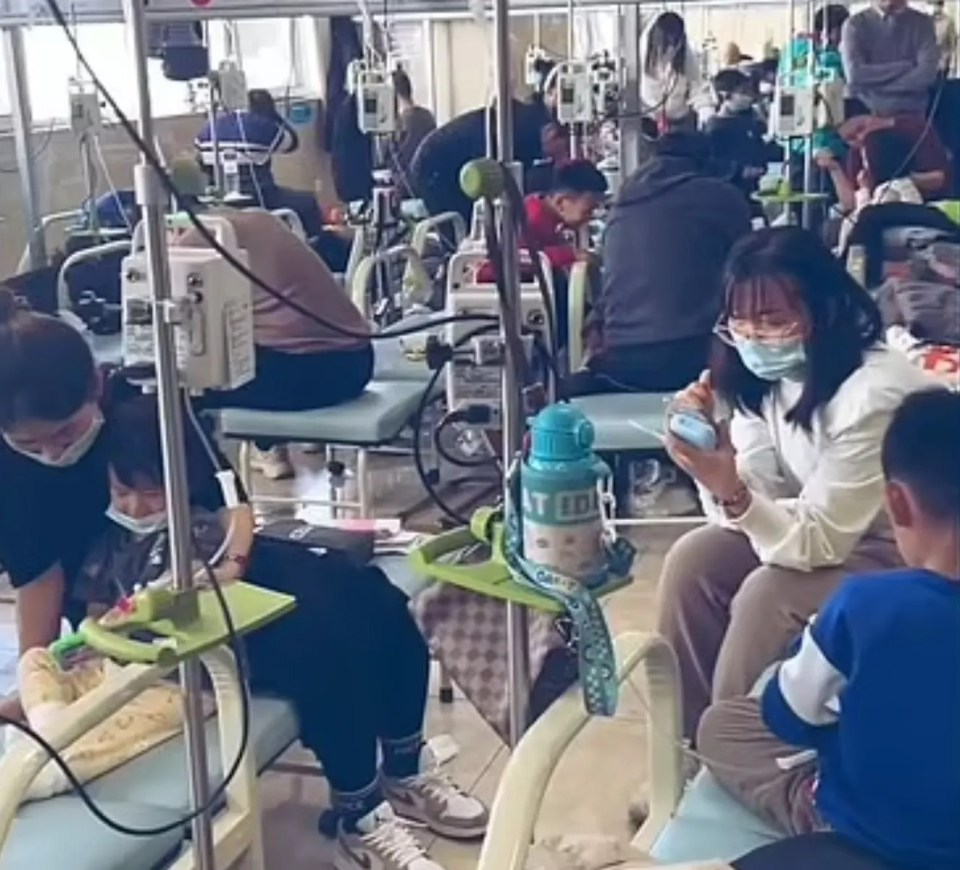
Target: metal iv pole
<point x="150" y="197"/>
<point x="19" y="92"/>
<point x="518" y="644"/>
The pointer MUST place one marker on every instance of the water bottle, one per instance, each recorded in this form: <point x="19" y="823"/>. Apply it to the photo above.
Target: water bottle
<point x="560" y="485"/>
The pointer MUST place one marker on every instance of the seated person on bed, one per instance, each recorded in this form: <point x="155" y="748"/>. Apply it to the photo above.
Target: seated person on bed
<point x="738" y="133"/>
<point x="870" y="691"/>
<point x="312" y="349"/>
<point x="576" y="190"/>
<point x="887" y="158"/>
<point x="353" y="629"/>
<point x="669" y="233"/>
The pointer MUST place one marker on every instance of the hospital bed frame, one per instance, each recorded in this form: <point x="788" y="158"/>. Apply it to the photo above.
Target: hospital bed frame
<point x="237" y="833"/>
<point x="692" y="823"/>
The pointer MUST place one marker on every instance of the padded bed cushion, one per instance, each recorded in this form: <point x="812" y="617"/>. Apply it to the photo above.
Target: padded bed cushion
<point x="378" y="416"/>
<point x="711" y="824"/>
<point x="613" y="415"/>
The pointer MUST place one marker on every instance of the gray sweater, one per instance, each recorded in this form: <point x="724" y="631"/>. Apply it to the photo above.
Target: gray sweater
<point x="890" y="60"/>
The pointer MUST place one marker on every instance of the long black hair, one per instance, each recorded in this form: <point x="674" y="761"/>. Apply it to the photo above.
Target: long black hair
<point x="47" y="370"/>
<point x="844" y="320"/>
<point x="667" y="40"/>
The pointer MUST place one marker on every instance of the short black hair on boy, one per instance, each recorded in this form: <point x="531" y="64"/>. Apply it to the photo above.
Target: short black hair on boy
<point x="578" y="177"/>
<point x="888" y="155"/>
<point x="921" y="450"/>
<point x="729" y="81"/>
<point x="134" y="449"/>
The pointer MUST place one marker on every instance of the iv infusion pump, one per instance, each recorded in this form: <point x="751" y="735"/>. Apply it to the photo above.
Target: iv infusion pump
<point x="211" y="307"/>
<point x="574" y="93"/>
<point x="376" y="100"/>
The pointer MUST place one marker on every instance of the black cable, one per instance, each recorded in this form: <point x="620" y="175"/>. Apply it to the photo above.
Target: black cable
<point x="446" y="420"/>
<point x="215" y="795"/>
<point x="426" y="399"/>
<point x="210" y="239"/>
<point x="239" y="656"/>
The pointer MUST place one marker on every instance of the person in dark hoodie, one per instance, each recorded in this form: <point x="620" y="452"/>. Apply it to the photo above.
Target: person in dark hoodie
<point x="435" y="169"/>
<point x="669" y="233"/>
<point x="737" y="133"/>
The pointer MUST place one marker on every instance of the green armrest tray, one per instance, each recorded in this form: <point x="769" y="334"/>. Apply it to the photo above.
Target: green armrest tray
<point x="491" y="578"/>
<point x="251" y="607"/>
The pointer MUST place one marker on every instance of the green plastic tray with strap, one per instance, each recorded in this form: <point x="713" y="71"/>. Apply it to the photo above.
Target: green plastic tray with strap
<point x="184" y="624"/>
<point x="436" y="559"/>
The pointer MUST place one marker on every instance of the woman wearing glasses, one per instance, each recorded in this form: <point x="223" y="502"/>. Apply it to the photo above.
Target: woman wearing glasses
<point x="801" y="390"/>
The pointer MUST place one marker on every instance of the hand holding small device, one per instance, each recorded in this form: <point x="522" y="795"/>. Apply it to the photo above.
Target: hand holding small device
<point x="690" y="417"/>
<point x="701" y="446"/>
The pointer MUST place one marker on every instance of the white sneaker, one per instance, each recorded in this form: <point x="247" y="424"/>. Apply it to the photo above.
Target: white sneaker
<point x="433" y="799"/>
<point x="381" y="842"/>
<point x="273" y="464"/>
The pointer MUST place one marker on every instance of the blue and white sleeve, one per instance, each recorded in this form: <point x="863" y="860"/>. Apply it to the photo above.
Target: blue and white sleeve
<point x="804" y="697"/>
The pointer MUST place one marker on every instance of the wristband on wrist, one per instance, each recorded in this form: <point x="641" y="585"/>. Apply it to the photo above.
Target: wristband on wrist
<point x="237" y="559"/>
<point x="736" y="500"/>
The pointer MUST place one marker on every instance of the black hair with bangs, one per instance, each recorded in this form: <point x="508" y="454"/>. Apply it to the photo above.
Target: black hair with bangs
<point x="844" y="319"/>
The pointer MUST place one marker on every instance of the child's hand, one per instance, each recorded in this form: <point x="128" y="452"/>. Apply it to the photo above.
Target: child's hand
<point x="824" y="158"/>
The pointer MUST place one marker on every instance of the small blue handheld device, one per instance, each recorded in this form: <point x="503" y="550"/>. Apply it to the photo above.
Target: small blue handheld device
<point x="694" y="429"/>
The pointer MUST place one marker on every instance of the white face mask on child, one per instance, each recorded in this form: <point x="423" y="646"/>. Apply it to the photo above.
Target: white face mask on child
<point x="147" y="525"/>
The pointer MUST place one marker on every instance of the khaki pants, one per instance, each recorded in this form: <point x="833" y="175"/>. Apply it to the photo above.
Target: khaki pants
<point x="742" y="755"/>
<point x="728" y="617"/>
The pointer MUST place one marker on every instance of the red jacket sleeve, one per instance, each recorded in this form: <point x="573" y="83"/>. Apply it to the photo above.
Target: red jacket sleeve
<point x="543" y="232"/>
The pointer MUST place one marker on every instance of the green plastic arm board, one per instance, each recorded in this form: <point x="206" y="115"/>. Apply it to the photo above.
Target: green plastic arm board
<point x="436" y="559"/>
<point x="251" y="607"/>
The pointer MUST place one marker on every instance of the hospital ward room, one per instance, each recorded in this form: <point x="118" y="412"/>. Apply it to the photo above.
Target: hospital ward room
<point x="479" y="435"/>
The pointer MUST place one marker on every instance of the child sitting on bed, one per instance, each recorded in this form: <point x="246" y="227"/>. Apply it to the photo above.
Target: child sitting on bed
<point x="872" y="692"/>
<point x="349" y="656"/>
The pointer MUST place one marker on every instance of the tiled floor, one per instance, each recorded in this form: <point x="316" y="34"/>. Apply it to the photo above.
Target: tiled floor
<point x="590" y="790"/>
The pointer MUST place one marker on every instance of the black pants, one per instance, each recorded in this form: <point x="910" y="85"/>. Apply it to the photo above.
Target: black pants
<point x="644" y="368"/>
<point x="302" y="202"/>
<point x="812" y="852"/>
<point x="349" y="657"/>
<point x="300" y="381"/>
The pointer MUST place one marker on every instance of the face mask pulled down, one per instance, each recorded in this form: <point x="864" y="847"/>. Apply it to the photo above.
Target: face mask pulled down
<point x="772" y="361"/>
<point x="147" y="525"/>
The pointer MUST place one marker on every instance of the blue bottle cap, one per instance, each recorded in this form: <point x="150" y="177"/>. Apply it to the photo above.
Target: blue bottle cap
<point x="561" y="433"/>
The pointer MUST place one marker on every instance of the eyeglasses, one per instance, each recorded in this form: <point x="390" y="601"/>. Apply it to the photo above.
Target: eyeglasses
<point x="730" y="332"/>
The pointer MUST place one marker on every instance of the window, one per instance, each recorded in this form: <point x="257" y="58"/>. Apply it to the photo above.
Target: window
<point x="277" y="54"/>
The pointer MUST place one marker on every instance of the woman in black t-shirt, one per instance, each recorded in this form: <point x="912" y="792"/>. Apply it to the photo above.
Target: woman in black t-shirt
<point x="349" y="656"/>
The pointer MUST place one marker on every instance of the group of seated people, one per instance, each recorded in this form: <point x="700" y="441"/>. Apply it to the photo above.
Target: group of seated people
<point x="819" y="426"/>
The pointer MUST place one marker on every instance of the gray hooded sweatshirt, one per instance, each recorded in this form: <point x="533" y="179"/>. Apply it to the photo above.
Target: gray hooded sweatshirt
<point x="663" y="253"/>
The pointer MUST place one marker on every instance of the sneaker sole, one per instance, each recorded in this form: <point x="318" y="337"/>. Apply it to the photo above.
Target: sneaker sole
<point x="450" y="832"/>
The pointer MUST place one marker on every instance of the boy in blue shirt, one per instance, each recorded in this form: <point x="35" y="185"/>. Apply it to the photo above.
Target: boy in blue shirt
<point x="860" y="756"/>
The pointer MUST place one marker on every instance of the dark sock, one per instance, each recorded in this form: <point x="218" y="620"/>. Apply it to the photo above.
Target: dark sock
<point x="351" y="806"/>
<point x="401" y="757"/>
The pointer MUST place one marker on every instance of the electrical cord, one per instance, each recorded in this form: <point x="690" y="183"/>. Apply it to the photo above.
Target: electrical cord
<point x="457" y="416"/>
<point x="215" y="795"/>
<point x="233" y="640"/>
<point x="209" y="237"/>
<point x="426" y="399"/>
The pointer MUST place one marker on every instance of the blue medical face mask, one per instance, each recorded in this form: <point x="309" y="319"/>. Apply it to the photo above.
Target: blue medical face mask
<point x="772" y="361"/>
<point x="139" y="525"/>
